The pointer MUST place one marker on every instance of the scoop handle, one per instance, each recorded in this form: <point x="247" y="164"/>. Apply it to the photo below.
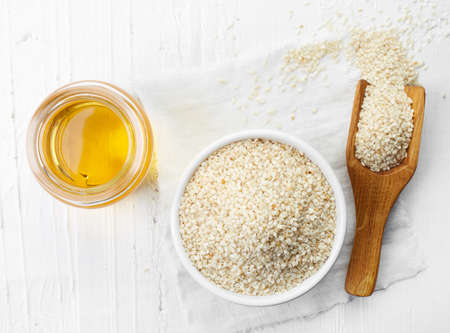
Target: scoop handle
<point x="363" y="266"/>
<point x="375" y="194"/>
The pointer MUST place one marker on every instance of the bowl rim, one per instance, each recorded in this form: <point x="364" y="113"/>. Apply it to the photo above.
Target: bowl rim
<point x="341" y="217"/>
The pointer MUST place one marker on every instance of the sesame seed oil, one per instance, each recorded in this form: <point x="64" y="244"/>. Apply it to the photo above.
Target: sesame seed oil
<point x="86" y="143"/>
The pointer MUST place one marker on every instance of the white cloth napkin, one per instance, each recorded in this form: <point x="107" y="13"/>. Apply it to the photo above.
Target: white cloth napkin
<point x="190" y="110"/>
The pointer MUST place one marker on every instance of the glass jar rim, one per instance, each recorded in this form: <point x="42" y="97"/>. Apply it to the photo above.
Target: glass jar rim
<point x="137" y="164"/>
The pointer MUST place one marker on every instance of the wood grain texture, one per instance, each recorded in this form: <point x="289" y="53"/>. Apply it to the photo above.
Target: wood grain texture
<point x="67" y="271"/>
<point x="375" y="193"/>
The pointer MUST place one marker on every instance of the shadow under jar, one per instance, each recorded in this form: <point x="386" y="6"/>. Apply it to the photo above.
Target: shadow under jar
<point x="89" y="144"/>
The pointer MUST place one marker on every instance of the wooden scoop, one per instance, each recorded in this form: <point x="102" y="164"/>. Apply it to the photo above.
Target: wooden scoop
<point x="375" y="194"/>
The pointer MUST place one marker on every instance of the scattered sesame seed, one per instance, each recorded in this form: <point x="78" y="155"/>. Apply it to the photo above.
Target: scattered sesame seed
<point x="307" y="58"/>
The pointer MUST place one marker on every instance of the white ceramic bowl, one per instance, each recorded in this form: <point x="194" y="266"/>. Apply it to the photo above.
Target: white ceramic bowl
<point x="307" y="284"/>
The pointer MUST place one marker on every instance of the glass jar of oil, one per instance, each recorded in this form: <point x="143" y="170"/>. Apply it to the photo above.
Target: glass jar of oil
<point x="90" y="144"/>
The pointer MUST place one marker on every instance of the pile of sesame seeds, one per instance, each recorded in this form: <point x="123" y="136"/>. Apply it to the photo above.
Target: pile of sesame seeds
<point x="257" y="217"/>
<point x="381" y="57"/>
<point x="385" y="128"/>
<point x="386" y="118"/>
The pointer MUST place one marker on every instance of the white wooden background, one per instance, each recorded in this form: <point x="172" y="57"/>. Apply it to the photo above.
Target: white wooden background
<point x="70" y="270"/>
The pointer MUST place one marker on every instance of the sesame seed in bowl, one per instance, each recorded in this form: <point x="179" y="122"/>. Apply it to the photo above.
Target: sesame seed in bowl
<point x="259" y="218"/>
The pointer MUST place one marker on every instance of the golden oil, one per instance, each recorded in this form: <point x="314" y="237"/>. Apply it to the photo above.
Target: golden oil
<point x="90" y="143"/>
<point x="86" y="143"/>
